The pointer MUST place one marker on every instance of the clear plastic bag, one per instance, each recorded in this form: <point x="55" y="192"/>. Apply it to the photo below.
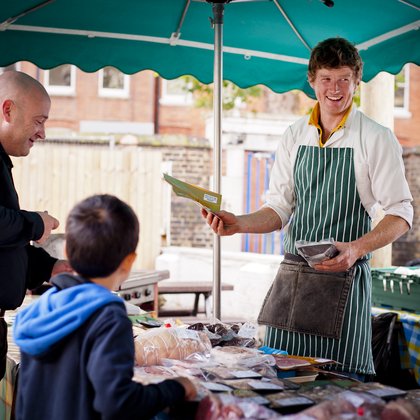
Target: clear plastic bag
<point x="226" y="406"/>
<point x="243" y="357"/>
<point x="316" y="252"/>
<point x="346" y="405"/>
<point x="170" y="343"/>
<point x="221" y="334"/>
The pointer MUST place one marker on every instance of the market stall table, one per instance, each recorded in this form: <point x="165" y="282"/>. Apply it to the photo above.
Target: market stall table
<point x="292" y="397"/>
<point x="240" y="383"/>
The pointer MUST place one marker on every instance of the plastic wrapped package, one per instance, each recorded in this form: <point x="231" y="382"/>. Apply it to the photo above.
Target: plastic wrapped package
<point x="197" y="361"/>
<point x="316" y="252"/>
<point x="232" y="356"/>
<point x="347" y="405"/>
<point x="169" y="343"/>
<point x="221" y="334"/>
<point x="153" y="374"/>
<point x="225" y="406"/>
<point x="191" y="367"/>
<point x="401" y="410"/>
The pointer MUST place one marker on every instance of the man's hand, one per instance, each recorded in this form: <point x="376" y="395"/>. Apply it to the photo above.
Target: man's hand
<point x="389" y="229"/>
<point x="50" y="223"/>
<point x="61" y="266"/>
<point x="223" y="223"/>
<point x="348" y="255"/>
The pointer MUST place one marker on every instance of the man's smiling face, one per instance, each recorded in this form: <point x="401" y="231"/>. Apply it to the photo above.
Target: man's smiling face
<point x="25" y="122"/>
<point x="334" y="89"/>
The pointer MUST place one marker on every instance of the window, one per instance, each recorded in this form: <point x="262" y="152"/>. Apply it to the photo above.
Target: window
<point x="402" y="93"/>
<point x="61" y="80"/>
<point x="113" y="83"/>
<point x="175" y="92"/>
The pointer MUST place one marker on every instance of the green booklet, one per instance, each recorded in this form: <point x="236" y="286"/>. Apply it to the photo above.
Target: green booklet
<point x="210" y="200"/>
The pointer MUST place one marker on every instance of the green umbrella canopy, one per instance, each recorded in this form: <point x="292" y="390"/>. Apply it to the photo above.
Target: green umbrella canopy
<point x="264" y="42"/>
<point x="261" y="45"/>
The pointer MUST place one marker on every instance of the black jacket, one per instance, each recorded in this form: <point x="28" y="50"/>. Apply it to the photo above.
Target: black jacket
<point x="87" y="375"/>
<point x="22" y="266"/>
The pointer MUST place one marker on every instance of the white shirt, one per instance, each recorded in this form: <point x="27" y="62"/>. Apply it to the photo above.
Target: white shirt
<point x="378" y="166"/>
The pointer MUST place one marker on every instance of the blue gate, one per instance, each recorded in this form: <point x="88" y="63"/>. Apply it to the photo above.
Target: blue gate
<point x="258" y="168"/>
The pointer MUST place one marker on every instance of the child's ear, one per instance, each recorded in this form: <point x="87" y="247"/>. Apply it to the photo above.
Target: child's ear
<point x="128" y="261"/>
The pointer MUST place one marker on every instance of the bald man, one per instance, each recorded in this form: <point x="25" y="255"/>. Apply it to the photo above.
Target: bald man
<point x="25" y="106"/>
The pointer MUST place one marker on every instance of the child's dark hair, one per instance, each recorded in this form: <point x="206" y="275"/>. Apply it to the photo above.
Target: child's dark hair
<point x="100" y="232"/>
<point x="334" y="53"/>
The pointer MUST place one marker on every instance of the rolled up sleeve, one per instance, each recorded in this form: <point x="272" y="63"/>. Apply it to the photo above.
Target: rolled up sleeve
<point x="280" y="197"/>
<point x="388" y="182"/>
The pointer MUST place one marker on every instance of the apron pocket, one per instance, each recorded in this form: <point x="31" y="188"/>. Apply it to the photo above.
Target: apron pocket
<point x="304" y="300"/>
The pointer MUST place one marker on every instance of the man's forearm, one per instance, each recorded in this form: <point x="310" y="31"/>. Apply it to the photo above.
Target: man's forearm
<point x="389" y="229"/>
<point x="265" y="220"/>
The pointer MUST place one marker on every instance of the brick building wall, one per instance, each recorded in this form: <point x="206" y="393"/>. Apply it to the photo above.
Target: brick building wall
<point x="85" y="104"/>
<point x="407" y="247"/>
<point x="193" y="165"/>
<point x="67" y="111"/>
<point x="407" y="129"/>
<point x="182" y="120"/>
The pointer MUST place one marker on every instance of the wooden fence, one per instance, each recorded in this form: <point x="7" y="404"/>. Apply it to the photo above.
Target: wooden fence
<point x="56" y="176"/>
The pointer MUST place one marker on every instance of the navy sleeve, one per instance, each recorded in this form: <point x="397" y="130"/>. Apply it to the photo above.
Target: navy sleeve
<point x="40" y="265"/>
<point x="110" y="369"/>
<point x="18" y="227"/>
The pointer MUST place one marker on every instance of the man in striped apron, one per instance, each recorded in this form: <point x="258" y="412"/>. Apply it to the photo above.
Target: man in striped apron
<point x="332" y="169"/>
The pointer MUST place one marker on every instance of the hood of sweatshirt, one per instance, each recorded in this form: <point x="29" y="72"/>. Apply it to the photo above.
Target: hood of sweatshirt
<point x="56" y="314"/>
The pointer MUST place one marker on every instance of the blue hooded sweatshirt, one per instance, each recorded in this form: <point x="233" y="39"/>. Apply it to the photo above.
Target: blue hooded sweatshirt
<point x="77" y="358"/>
<point x="57" y="314"/>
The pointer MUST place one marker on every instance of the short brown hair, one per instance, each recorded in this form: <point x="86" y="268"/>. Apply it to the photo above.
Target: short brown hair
<point x="100" y="232"/>
<point x="334" y="53"/>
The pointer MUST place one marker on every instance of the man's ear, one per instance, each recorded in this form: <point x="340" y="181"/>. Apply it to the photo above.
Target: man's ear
<point x="311" y="82"/>
<point x="7" y="107"/>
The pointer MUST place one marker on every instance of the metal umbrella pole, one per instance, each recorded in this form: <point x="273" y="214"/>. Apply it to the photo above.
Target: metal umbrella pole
<point x="218" y="10"/>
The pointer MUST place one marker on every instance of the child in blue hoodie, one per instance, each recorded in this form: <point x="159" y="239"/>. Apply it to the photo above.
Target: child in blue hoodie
<point x="76" y="341"/>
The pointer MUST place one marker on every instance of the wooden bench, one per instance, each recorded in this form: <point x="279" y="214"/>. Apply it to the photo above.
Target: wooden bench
<point x="190" y="287"/>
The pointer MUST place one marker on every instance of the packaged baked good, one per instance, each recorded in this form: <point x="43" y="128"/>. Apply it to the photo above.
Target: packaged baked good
<point x="169" y="343"/>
